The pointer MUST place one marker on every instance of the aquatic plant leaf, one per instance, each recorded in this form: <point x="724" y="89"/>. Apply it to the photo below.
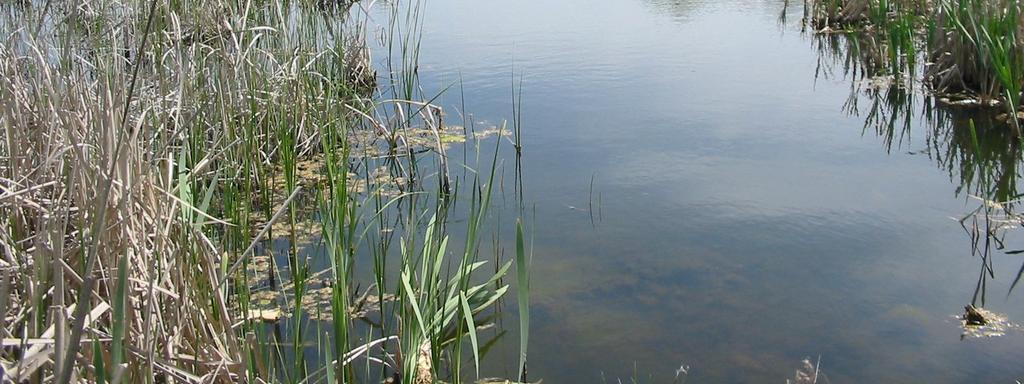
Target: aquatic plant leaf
<point x="468" y="315"/>
<point x="523" y="295"/>
<point x="413" y="303"/>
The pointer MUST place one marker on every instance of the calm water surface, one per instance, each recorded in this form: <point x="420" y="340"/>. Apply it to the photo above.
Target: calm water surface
<point x="741" y="219"/>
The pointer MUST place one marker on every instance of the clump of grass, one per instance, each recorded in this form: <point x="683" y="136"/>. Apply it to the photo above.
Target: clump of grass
<point x="880" y="35"/>
<point x="976" y="49"/>
<point x="851" y="15"/>
<point x="836" y="14"/>
<point x="972" y="49"/>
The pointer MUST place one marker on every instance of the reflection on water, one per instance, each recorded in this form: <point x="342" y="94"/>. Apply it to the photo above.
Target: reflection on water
<point x="749" y="218"/>
<point x="891" y="112"/>
<point x="685" y="10"/>
<point x="759" y="202"/>
<point x="977" y="150"/>
<point x="892" y="105"/>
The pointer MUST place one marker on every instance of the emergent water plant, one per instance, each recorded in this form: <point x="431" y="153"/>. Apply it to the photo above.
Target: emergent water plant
<point x="157" y="154"/>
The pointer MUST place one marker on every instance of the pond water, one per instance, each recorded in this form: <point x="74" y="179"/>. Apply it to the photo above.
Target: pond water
<point x="699" y="196"/>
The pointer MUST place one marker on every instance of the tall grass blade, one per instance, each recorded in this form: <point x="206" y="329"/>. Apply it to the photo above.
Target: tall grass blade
<point x="119" y="317"/>
<point x="523" y="295"/>
<point x="467" y="313"/>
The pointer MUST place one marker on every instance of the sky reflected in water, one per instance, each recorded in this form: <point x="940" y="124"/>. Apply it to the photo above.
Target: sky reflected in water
<point x="745" y="220"/>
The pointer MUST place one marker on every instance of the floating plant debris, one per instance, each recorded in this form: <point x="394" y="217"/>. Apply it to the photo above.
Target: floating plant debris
<point x="979" y="323"/>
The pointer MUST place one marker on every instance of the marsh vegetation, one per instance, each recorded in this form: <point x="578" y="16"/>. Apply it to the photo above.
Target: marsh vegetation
<point x="298" y="191"/>
<point x="968" y="52"/>
<point x="198" y="191"/>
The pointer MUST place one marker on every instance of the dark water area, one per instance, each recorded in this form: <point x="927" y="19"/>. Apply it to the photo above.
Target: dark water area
<point x="702" y="193"/>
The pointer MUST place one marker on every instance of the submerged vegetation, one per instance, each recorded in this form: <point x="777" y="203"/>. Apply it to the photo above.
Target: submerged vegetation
<point x="216" y="191"/>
